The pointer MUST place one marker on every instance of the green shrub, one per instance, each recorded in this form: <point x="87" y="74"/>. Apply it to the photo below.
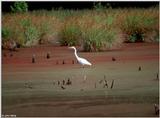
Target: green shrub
<point x="96" y="39"/>
<point x="69" y="35"/>
<point x="6" y="32"/>
<point x="19" y="7"/>
<point x="92" y="39"/>
<point x="6" y="36"/>
<point x="95" y="30"/>
<point x="109" y="20"/>
<point x="31" y="33"/>
<point x="136" y="37"/>
<point x="44" y="30"/>
<point x="136" y="27"/>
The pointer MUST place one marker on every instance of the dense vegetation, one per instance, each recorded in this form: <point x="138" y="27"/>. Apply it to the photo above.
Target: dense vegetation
<point x="95" y="29"/>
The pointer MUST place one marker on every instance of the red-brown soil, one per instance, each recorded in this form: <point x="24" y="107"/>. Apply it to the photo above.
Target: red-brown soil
<point x="139" y="88"/>
<point x="130" y="52"/>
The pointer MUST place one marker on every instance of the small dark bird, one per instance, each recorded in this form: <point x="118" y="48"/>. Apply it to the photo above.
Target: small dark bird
<point x="33" y="58"/>
<point x="57" y="62"/>
<point x="63" y="87"/>
<point x="139" y="68"/>
<point x="48" y="55"/>
<point x="113" y="59"/>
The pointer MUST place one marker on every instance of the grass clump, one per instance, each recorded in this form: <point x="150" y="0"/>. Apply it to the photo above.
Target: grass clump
<point x="94" y="29"/>
<point x="44" y="30"/>
<point x="70" y="35"/>
<point x="98" y="32"/>
<point x="6" y="36"/>
<point x="93" y="39"/>
<point x="133" y="28"/>
<point x="6" y="32"/>
<point x="99" y="39"/>
<point x="137" y="26"/>
<point x="30" y="32"/>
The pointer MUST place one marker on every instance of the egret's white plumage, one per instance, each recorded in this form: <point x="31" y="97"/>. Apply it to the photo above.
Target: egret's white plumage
<point x="79" y="59"/>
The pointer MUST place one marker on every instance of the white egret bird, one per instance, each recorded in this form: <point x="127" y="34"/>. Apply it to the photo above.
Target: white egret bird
<point x="79" y="59"/>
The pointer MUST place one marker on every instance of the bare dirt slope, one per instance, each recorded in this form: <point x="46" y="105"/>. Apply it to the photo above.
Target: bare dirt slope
<point x="36" y="89"/>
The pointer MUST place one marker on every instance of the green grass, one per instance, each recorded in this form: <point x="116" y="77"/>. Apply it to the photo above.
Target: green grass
<point x="98" y="39"/>
<point x="137" y="26"/>
<point x="6" y="34"/>
<point x="102" y="27"/>
<point x="30" y="32"/>
<point x="70" y="35"/>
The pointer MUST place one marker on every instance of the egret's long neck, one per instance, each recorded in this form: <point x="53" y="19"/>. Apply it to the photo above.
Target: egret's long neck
<point x="75" y="52"/>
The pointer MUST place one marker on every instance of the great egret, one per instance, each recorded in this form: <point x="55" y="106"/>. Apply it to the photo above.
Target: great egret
<point x="79" y="59"/>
